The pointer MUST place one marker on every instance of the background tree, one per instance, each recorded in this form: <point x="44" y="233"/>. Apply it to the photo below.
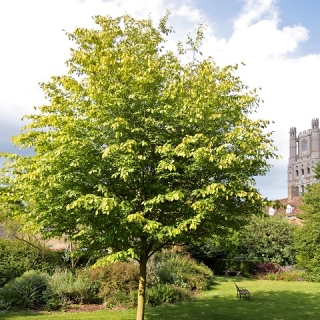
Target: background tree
<point x="308" y="236"/>
<point x="137" y="150"/>
<point x="215" y="247"/>
<point x="268" y="239"/>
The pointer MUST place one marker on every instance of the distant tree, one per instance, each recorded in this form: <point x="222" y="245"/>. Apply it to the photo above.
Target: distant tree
<point x="208" y="249"/>
<point x="215" y="247"/>
<point x="268" y="239"/>
<point x="137" y="150"/>
<point x="308" y="235"/>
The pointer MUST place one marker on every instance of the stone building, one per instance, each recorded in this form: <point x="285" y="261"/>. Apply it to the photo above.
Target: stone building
<point x="303" y="156"/>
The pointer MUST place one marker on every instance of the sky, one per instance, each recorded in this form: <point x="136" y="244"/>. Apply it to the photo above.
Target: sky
<point x="278" y="40"/>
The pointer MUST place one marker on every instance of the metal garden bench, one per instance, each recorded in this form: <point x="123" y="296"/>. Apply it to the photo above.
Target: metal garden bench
<point x="242" y="292"/>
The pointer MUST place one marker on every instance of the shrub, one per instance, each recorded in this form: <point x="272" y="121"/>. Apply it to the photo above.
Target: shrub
<point x="25" y="292"/>
<point x="270" y="271"/>
<point x="70" y="288"/>
<point x="53" y="304"/>
<point x="121" y="299"/>
<point x="119" y="279"/>
<point x="181" y="271"/>
<point x="18" y="257"/>
<point x="267" y="268"/>
<point x="165" y="293"/>
<point x="312" y="276"/>
<point x="291" y="273"/>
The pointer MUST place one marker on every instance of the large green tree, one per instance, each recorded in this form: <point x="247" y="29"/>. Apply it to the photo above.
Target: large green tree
<point x="308" y="236"/>
<point x="139" y="147"/>
<point x="268" y="239"/>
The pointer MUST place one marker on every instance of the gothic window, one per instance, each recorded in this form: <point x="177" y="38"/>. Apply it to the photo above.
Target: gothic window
<point x="304" y="146"/>
<point x="302" y="189"/>
<point x="308" y="170"/>
<point x="297" y="173"/>
<point x="302" y="172"/>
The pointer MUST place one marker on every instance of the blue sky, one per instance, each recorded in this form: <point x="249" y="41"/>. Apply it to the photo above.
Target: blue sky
<point x="277" y="39"/>
<point x="306" y="13"/>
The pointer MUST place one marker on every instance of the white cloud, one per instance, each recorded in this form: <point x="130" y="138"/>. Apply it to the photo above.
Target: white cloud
<point x="256" y="36"/>
<point x="254" y="11"/>
<point x="289" y="85"/>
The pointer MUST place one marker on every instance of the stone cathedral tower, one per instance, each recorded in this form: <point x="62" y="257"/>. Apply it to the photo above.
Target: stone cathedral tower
<point x="303" y="156"/>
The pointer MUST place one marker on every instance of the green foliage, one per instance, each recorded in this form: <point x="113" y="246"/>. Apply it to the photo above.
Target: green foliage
<point x="268" y="239"/>
<point x="292" y="273"/>
<point x="115" y="282"/>
<point x="220" y="265"/>
<point x="307" y="237"/>
<point x="25" y="292"/>
<point x="165" y="293"/>
<point x="139" y="148"/>
<point x="174" y="138"/>
<point x="312" y="276"/>
<point x="206" y="250"/>
<point x="181" y="271"/>
<point x="122" y="300"/>
<point x="71" y="288"/>
<point x="18" y="257"/>
<point x="53" y="304"/>
<point x="271" y="271"/>
<point x="270" y="300"/>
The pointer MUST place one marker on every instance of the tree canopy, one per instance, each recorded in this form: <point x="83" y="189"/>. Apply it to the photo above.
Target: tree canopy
<point x="268" y="239"/>
<point x="307" y="237"/>
<point x="140" y="147"/>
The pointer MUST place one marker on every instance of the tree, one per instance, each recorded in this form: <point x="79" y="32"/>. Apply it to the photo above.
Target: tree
<point x="307" y="238"/>
<point x="268" y="239"/>
<point x="136" y="150"/>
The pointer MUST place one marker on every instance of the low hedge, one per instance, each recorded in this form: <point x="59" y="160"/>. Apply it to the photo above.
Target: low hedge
<point x="246" y="267"/>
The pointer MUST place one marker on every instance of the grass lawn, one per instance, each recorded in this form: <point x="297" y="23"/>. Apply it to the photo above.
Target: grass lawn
<point x="272" y="300"/>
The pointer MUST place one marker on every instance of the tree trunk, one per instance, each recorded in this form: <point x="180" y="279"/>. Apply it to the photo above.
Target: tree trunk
<point x="142" y="286"/>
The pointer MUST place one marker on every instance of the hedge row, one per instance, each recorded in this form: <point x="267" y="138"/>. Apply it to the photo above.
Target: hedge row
<point x="247" y="267"/>
<point x="18" y="257"/>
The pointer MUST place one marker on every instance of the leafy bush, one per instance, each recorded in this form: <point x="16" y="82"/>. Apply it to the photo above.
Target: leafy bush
<point x="181" y="271"/>
<point x="270" y="271"/>
<point x="267" y="268"/>
<point x="25" y="292"/>
<point x="18" y="257"/>
<point x="71" y="288"/>
<point x="122" y="300"/>
<point x="291" y="273"/>
<point x="119" y="279"/>
<point x="53" y="304"/>
<point x="165" y="293"/>
<point x="312" y="276"/>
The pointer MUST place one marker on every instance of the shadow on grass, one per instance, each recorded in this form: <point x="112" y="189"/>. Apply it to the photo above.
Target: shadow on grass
<point x="278" y="305"/>
<point x="270" y="300"/>
<point x="4" y="315"/>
